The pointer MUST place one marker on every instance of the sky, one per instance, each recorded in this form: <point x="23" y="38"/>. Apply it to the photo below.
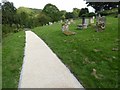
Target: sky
<point x="67" y="5"/>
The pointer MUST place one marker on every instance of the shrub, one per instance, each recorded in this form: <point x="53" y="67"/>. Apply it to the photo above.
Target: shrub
<point x="7" y="29"/>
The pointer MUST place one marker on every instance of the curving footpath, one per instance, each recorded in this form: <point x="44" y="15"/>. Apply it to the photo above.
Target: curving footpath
<point x="42" y="68"/>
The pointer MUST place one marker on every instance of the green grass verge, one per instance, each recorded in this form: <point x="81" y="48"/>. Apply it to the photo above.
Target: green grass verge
<point x="0" y="65"/>
<point x="85" y="51"/>
<point x="0" y="57"/>
<point x="12" y="58"/>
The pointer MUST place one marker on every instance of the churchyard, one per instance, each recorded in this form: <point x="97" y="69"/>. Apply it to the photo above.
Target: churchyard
<point x="88" y="46"/>
<point x="91" y="56"/>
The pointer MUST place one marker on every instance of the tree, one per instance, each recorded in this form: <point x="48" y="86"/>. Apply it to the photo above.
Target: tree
<point x="8" y="13"/>
<point x="83" y="11"/>
<point x="91" y="14"/>
<point x="26" y="10"/>
<point x="52" y="11"/>
<point x="25" y="17"/>
<point x="62" y="14"/>
<point x="43" y="19"/>
<point x="69" y="15"/>
<point x="101" y="6"/>
<point x="76" y="12"/>
<point x="119" y="8"/>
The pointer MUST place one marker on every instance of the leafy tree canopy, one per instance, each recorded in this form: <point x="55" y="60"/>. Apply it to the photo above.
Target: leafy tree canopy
<point x="8" y="13"/>
<point x="69" y="15"/>
<point x="101" y="6"/>
<point x="25" y="10"/>
<point x="83" y="11"/>
<point x="76" y="12"/>
<point x="52" y="11"/>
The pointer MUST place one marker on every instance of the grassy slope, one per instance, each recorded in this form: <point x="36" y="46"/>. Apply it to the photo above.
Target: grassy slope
<point x="77" y="52"/>
<point x="0" y="56"/>
<point x="12" y="58"/>
<point x="0" y="65"/>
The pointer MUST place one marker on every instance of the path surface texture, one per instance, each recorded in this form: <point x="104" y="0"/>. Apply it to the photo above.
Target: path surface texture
<point x="42" y="68"/>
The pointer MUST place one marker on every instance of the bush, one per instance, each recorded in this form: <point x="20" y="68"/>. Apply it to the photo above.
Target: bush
<point x="7" y="29"/>
<point x="43" y="19"/>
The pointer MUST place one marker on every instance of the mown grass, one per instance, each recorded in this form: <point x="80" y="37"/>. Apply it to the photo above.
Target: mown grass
<point x="0" y="65"/>
<point x="86" y="51"/>
<point x="0" y="56"/>
<point x="12" y="58"/>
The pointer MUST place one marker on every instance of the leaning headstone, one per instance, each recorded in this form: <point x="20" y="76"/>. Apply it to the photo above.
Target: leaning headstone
<point x="65" y="29"/>
<point x="101" y="22"/>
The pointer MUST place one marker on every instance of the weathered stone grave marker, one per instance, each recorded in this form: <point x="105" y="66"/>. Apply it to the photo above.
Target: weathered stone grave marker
<point x="84" y="25"/>
<point x="100" y="24"/>
<point x="91" y="20"/>
<point x="50" y="23"/>
<point x="65" y="28"/>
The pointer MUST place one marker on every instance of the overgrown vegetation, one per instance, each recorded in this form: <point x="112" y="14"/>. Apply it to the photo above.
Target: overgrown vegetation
<point x="91" y="56"/>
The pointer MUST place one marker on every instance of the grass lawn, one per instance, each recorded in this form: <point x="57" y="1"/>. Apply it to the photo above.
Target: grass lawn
<point x="88" y="54"/>
<point x="0" y="65"/>
<point x="12" y="58"/>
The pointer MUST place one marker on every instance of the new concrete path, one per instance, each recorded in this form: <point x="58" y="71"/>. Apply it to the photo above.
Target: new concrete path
<point x="42" y="68"/>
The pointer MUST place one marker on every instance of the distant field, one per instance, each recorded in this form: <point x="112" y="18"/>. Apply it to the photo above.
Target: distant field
<point x="12" y="59"/>
<point x="91" y="56"/>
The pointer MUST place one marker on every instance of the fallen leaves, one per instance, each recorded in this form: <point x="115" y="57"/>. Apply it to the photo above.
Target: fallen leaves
<point x="115" y="49"/>
<point x="86" y="60"/>
<point x="94" y="73"/>
<point x="74" y="50"/>
<point x="96" y="50"/>
<point x="69" y="33"/>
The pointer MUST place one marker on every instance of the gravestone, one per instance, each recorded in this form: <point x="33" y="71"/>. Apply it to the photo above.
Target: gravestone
<point x="85" y="23"/>
<point x="91" y="20"/>
<point x="71" y="20"/>
<point x="100" y="23"/>
<point x="65" y="29"/>
<point x="50" y="23"/>
<point x="83" y="20"/>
